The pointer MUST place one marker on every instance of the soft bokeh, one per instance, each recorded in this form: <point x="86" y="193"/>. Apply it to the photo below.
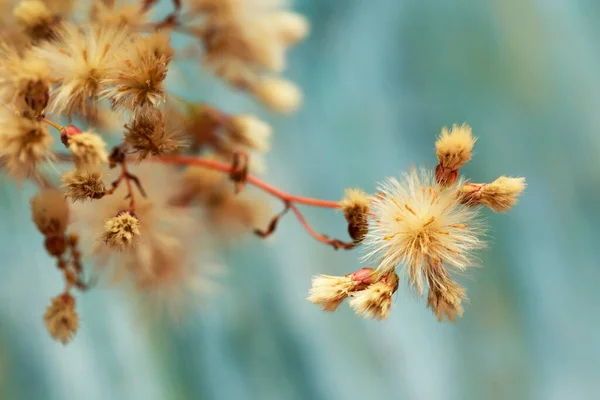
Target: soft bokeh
<point x="380" y="79"/>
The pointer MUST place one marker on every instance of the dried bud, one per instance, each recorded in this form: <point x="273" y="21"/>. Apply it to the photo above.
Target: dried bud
<point x="330" y="291"/>
<point x="292" y="27"/>
<point x="355" y="206"/>
<point x="376" y="300"/>
<point x="453" y="150"/>
<point x="88" y="148"/>
<point x="500" y="195"/>
<point x="446" y="300"/>
<point x="249" y="131"/>
<point x="83" y="184"/>
<point x="56" y="245"/>
<point x="67" y="132"/>
<point x="50" y="212"/>
<point x="36" y="96"/>
<point x="35" y="17"/>
<point x="122" y="231"/>
<point x="61" y="318"/>
<point x="278" y="94"/>
<point x="148" y="135"/>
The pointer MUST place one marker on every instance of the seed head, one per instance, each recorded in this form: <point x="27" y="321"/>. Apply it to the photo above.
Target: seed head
<point x="50" y="212"/>
<point x="278" y="94"/>
<point x="417" y="219"/>
<point x="355" y="206"/>
<point x="500" y="195"/>
<point x="375" y="301"/>
<point x="83" y="184"/>
<point x="88" y="149"/>
<point x="61" y="318"/>
<point x="122" y="231"/>
<point x="453" y="149"/>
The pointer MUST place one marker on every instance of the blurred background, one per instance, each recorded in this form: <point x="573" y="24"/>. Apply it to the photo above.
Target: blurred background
<point x="380" y="79"/>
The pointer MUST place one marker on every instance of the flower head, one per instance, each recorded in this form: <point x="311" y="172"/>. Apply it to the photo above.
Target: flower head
<point x="278" y="94"/>
<point x="121" y="231"/>
<point x="36" y="19"/>
<point x="248" y="131"/>
<point x="355" y="206"/>
<point x="50" y="212"/>
<point x="415" y="220"/>
<point x="83" y="184"/>
<point x="23" y="144"/>
<point x="61" y="318"/>
<point x="500" y="195"/>
<point x="88" y="149"/>
<point x="330" y="291"/>
<point x="24" y="81"/>
<point x="80" y="59"/>
<point x="375" y="301"/>
<point x="136" y="78"/>
<point x="453" y="149"/>
<point x="150" y="134"/>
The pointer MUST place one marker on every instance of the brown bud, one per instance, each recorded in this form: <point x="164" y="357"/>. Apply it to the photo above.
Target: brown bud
<point x="445" y="176"/>
<point x="67" y="132"/>
<point x="37" y="96"/>
<point x="56" y="245"/>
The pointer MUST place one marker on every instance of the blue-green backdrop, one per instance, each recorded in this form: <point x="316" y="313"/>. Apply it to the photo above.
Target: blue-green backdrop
<point x="380" y="78"/>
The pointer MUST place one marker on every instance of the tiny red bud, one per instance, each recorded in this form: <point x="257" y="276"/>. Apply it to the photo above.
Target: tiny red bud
<point x="364" y="276"/>
<point x="67" y="132"/>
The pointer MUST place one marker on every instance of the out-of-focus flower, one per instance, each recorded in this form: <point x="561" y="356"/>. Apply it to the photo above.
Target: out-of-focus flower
<point x="61" y="318"/>
<point x="23" y="144"/>
<point x="248" y="131"/>
<point x="50" y="212"/>
<point x="121" y="231"/>
<point x="84" y="184"/>
<point x="120" y="14"/>
<point x="88" y="148"/>
<point x="38" y="22"/>
<point x="24" y="81"/>
<point x="136" y="78"/>
<point x="278" y="94"/>
<point x="150" y="134"/>
<point x="80" y="60"/>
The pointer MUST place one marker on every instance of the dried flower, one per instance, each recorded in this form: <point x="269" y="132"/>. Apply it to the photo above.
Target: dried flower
<point x="80" y="60"/>
<point x="84" y="184"/>
<point x="88" y="149"/>
<point x="330" y="291"/>
<point x="248" y="131"/>
<point x="24" y="81"/>
<point x="446" y="301"/>
<point x="50" y="212"/>
<point x="136" y="79"/>
<point x="36" y="19"/>
<point x="61" y="318"/>
<point x="500" y="195"/>
<point x="355" y="206"/>
<point x="122" y="231"/>
<point x="375" y="301"/>
<point x="292" y="27"/>
<point x="278" y="94"/>
<point x="148" y="134"/>
<point x="417" y="219"/>
<point x="124" y="15"/>
<point x="453" y="149"/>
<point x="23" y="144"/>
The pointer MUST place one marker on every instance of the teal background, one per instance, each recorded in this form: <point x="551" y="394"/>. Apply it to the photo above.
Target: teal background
<point x="380" y="80"/>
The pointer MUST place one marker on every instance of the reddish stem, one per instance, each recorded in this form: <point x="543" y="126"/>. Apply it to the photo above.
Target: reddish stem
<point x="219" y="166"/>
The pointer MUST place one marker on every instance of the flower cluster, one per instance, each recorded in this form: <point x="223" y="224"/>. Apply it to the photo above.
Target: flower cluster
<point x="425" y="225"/>
<point x="172" y="190"/>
